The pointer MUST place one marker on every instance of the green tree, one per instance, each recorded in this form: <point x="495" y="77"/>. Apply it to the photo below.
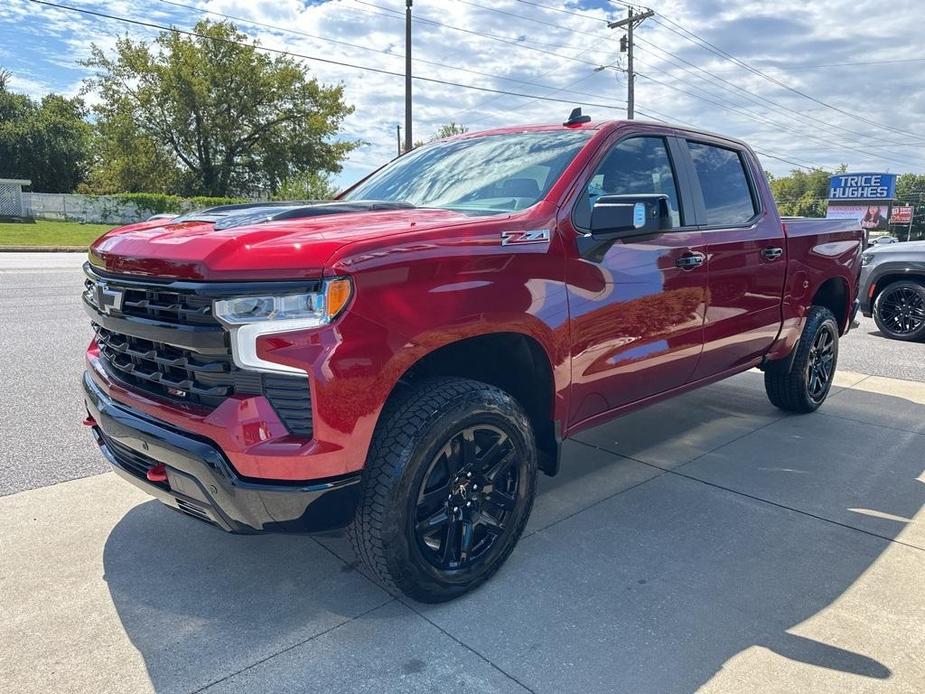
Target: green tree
<point x="446" y="130"/>
<point x="307" y="186"/>
<point x="126" y="159"/>
<point x="910" y="190"/>
<point x="802" y="193"/>
<point x="220" y="115"/>
<point x="449" y="130"/>
<point x="45" y="141"/>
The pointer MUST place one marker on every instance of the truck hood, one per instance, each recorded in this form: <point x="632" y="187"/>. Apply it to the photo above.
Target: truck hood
<point x="287" y="249"/>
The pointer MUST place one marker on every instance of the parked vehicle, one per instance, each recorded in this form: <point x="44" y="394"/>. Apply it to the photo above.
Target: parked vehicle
<point x="893" y="289"/>
<point x="883" y="240"/>
<point x="404" y="360"/>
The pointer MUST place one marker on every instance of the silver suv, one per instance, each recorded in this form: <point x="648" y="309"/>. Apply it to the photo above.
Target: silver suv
<point x="893" y="288"/>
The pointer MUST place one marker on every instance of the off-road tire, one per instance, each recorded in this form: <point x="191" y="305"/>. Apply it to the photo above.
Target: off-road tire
<point x="415" y="425"/>
<point x="916" y="292"/>
<point x="790" y="388"/>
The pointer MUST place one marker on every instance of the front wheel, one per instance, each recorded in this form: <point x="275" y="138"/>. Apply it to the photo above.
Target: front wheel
<point x="899" y="311"/>
<point x="448" y="487"/>
<point x="806" y="384"/>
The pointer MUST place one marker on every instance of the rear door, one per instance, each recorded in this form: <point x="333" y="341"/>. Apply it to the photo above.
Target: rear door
<point x="746" y="256"/>
<point x="636" y="306"/>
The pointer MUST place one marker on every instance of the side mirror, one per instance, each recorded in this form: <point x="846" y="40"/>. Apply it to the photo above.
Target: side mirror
<point x="616" y="216"/>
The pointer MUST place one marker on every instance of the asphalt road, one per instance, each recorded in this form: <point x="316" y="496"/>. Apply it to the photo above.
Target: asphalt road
<point x="43" y="337"/>
<point x="45" y="332"/>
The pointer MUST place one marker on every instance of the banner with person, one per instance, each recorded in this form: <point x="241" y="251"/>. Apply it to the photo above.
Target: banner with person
<point x="871" y="216"/>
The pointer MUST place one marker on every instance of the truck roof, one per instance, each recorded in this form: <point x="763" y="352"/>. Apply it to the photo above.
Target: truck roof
<point x="597" y="125"/>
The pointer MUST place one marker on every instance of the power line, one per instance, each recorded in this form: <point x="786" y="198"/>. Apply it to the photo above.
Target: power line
<point x="698" y="40"/>
<point x="329" y="61"/>
<point x="763" y="119"/>
<point x="727" y="56"/>
<point x="528" y="19"/>
<point x="491" y="37"/>
<point x="866" y="63"/>
<point x="580" y="14"/>
<point x="626" y="44"/>
<point x="567" y="89"/>
<point x="338" y="42"/>
<point x="745" y="113"/>
<point x="800" y="114"/>
<point x="665" y="118"/>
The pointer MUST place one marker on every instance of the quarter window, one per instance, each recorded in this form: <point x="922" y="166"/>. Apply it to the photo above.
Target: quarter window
<point x="638" y="165"/>
<point x="727" y="195"/>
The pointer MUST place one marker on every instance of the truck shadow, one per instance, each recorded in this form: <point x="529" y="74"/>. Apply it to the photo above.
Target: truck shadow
<point x="656" y="588"/>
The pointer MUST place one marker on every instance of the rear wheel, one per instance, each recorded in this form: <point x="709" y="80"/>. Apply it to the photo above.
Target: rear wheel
<point x="806" y="384"/>
<point x="899" y="311"/>
<point x="448" y="488"/>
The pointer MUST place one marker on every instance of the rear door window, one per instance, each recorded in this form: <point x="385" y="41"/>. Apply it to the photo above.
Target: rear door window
<point x="727" y="195"/>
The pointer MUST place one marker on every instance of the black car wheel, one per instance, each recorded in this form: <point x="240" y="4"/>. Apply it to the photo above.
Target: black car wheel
<point x="448" y="488"/>
<point x="803" y="383"/>
<point x="899" y="311"/>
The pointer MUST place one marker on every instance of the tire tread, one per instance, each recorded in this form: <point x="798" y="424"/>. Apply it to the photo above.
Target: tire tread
<point x="785" y="387"/>
<point x="405" y="420"/>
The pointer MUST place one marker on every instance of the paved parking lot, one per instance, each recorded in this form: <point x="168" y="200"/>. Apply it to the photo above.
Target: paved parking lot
<point x="710" y="542"/>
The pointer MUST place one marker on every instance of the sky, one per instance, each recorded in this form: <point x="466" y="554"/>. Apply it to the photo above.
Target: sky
<point x="809" y="84"/>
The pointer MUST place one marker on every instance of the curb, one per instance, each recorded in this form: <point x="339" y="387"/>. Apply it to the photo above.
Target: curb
<point x="43" y="249"/>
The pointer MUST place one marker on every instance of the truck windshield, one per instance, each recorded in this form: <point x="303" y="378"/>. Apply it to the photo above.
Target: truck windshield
<point x="480" y="175"/>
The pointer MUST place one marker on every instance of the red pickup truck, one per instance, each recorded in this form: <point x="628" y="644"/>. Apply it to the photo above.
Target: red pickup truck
<point x="402" y="361"/>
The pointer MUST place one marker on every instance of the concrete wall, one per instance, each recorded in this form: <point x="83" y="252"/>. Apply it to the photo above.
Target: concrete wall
<point x="98" y="209"/>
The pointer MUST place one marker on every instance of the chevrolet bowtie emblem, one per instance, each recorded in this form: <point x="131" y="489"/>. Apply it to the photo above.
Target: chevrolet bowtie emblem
<point x="107" y="298"/>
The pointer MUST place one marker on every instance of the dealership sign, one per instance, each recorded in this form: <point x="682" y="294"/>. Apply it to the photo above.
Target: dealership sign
<point x="862" y="186"/>
<point x="901" y="215"/>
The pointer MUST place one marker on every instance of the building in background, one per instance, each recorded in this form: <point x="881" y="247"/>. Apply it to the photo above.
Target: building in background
<point x="12" y="201"/>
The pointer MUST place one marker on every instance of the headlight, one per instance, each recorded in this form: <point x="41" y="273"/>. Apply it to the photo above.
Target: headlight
<point x="866" y="258"/>
<point x="249" y="317"/>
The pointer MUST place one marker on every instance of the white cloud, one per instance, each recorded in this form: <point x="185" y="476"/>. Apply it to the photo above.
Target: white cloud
<point x="555" y="53"/>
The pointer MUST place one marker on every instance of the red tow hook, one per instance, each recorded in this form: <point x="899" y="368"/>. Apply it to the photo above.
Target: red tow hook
<point x="89" y="422"/>
<point x="157" y="474"/>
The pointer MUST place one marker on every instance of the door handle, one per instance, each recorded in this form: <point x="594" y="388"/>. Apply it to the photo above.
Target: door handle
<point x="690" y="260"/>
<point x="772" y="253"/>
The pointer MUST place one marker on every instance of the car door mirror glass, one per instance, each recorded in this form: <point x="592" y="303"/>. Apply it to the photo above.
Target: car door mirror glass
<point x="614" y="216"/>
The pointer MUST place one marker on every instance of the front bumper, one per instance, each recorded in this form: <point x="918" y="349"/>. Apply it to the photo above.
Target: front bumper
<point x="201" y="483"/>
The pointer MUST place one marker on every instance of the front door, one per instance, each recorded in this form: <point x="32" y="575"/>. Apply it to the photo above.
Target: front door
<point x="747" y="262"/>
<point x="636" y="310"/>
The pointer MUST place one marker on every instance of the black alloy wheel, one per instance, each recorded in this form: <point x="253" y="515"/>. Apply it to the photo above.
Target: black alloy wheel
<point x="899" y="311"/>
<point x="466" y="498"/>
<point x="820" y="363"/>
<point x="448" y="488"/>
<point x="801" y="381"/>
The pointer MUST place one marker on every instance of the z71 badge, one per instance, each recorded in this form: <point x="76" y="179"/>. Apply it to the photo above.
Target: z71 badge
<point x="511" y="238"/>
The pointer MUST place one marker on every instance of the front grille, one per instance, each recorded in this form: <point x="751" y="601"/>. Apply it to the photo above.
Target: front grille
<point x="174" y="373"/>
<point x="204" y="376"/>
<point x="165" y="305"/>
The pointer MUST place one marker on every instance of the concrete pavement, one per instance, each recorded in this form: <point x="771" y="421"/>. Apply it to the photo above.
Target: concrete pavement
<point x="710" y="542"/>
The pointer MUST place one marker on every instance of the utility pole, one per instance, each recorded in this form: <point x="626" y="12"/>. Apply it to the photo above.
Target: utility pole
<point x="398" y="136"/>
<point x="626" y="46"/>
<point x="407" y="75"/>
